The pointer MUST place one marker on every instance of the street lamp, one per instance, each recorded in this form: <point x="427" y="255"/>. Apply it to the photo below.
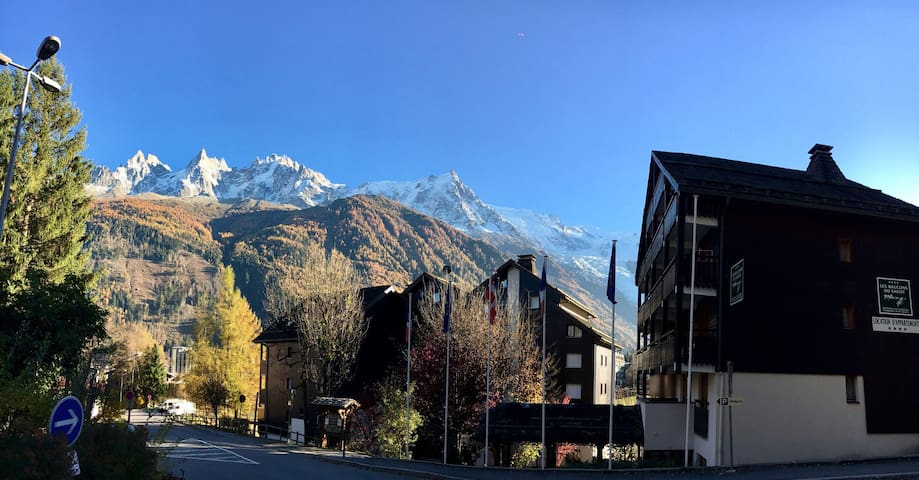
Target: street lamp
<point x="49" y="46"/>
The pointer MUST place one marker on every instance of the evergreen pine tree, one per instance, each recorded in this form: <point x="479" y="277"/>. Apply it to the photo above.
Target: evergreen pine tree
<point x="45" y="227"/>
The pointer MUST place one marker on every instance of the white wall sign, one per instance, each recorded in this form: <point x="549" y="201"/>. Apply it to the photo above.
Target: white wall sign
<point x="895" y="325"/>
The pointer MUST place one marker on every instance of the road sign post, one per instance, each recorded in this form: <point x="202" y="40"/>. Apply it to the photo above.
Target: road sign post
<point x="67" y="419"/>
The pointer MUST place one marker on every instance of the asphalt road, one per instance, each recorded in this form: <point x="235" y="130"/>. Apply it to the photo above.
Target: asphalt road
<point x="199" y="453"/>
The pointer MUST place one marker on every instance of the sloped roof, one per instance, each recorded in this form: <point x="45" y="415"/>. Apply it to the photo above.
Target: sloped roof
<point x="335" y="402"/>
<point x="720" y="176"/>
<point x="284" y="331"/>
<point x="567" y="304"/>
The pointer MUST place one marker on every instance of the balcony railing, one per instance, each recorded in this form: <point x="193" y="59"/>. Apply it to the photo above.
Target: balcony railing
<point x="706" y="269"/>
<point x="657" y="354"/>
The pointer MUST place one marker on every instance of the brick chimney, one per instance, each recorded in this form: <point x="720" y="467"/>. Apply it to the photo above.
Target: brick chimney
<point x="822" y="167"/>
<point x="527" y="262"/>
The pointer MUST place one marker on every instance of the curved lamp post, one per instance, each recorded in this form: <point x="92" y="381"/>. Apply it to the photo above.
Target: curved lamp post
<point x="49" y="46"/>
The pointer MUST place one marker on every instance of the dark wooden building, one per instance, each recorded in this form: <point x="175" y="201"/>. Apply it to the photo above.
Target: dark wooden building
<point x="802" y="287"/>
<point x="581" y="350"/>
<point x="281" y="394"/>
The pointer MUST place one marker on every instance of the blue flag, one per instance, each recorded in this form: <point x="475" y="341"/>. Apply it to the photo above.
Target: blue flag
<point x="448" y="309"/>
<point x="611" y="280"/>
<point x="542" y="290"/>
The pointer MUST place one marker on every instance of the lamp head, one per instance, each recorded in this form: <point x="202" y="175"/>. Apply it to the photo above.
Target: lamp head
<point x="49" y="46"/>
<point x="49" y="84"/>
<point x="4" y="60"/>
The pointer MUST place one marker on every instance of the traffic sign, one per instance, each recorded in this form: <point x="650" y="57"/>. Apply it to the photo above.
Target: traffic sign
<point x="731" y="401"/>
<point x="67" y="419"/>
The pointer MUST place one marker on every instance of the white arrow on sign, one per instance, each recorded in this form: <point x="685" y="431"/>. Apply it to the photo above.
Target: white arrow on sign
<point x="72" y="421"/>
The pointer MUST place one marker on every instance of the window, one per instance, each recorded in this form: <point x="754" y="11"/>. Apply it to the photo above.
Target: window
<point x="573" y="390"/>
<point x="603" y="389"/>
<point x="848" y="317"/>
<point x="602" y="360"/>
<point x="534" y="302"/>
<point x="573" y="360"/>
<point x="845" y="250"/>
<point x="851" y="389"/>
<point x="574" y="331"/>
<point x="436" y="297"/>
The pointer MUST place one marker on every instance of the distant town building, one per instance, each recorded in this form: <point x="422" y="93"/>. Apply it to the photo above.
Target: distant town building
<point x="177" y="358"/>
<point x="802" y="287"/>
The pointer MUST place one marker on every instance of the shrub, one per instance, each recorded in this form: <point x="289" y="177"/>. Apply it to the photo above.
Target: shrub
<point x="26" y="452"/>
<point x="113" y="452"/>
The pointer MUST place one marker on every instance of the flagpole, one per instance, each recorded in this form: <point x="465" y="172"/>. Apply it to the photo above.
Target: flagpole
<point x="447" y="312"/>
<point x="612" y="344"/>
<point x="488" y="303"/>
<point x="408" y="374"/>
<point x="692" y="297"/>
<point x="544" y="291"/>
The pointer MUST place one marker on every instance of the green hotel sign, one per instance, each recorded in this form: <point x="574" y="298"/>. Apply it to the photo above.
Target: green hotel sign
<point x="894" y="297"/>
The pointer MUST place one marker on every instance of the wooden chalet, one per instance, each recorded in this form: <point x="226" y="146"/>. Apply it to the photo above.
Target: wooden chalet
<point x="804" y="331"/>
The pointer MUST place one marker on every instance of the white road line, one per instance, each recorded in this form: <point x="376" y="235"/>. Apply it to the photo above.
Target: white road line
<point x="193" y="452"/>
<point x="865" y="475"/>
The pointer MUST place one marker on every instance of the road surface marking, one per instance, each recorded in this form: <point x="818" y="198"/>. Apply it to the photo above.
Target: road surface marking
<point x="187" y="449"/>
<point x="864" y="475"/>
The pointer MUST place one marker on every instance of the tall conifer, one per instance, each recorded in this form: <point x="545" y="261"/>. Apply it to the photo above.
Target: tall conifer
<point x="45" y="227"/>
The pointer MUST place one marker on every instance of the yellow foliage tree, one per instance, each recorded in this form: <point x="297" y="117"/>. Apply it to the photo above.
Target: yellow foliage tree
<point x="223" y="354"/>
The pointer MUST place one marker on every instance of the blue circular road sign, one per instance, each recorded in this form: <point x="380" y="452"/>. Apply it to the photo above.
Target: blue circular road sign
<point x="67" y="419"/>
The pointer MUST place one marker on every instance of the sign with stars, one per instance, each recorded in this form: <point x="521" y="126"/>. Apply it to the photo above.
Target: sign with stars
<point x="895" y="325"/>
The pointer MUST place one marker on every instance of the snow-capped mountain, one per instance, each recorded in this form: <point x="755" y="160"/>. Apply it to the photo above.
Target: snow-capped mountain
<point x="447" y="198"/>
<point x="276" y="178"/>
<point x="279" y="179"/>
<point x="123" y="180"/>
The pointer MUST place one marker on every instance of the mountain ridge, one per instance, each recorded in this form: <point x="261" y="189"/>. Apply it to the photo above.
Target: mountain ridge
<point x="282" y="180"/>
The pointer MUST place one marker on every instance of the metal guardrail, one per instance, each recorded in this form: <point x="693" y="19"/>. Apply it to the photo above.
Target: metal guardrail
<point x="245" y="427"/>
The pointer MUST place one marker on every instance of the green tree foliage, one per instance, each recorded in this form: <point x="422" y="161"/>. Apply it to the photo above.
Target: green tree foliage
<point x="46" y="224"/>
<point x="389" y="421"/>
<point x="26" y="452"/>
<point x="112" y="452"/>
<point x="322" y="297"/>
<point x="42" y="337"/>
<point x="150" y="378"/>
<point x="223" y="353"/>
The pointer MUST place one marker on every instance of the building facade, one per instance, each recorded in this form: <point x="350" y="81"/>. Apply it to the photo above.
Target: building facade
<point x="582" y="350"/>
<point x="799" y="307"/>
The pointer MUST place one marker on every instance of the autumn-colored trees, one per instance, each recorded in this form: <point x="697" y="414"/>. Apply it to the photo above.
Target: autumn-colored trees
<point x="224" y="361"/>
<point x="320" y="296"/>
<point x="515" y="366"/>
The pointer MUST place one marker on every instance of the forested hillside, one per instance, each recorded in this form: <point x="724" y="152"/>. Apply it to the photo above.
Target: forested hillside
<point x="158" y="257"/>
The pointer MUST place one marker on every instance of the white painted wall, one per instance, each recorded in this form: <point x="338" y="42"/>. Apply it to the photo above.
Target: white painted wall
<point x="601" y="375"/>
<point x="664" y="425"/>
<point x="784" y="418"/>
<point x="806" y="418"/>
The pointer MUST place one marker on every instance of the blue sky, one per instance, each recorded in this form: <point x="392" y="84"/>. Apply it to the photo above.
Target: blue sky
<point x="553" y="106"/>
